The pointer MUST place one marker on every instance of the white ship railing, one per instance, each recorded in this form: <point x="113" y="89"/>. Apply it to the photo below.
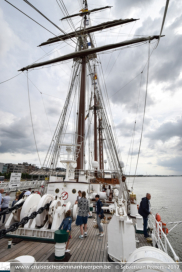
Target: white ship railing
<point x="23" y="185"/>
<point x="160" y="238"/>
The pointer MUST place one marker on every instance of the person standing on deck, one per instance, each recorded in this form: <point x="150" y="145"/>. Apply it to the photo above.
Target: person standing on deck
<point x="27" y="193"/>
<point x="21" y="195"/>
<point x="42" y="190"/>
<point x="108" y="191"/>
<point x="99" y="212"/>
<point x="82" y="216"/>
<point x="5" y="204"/>
<point x="66" y="225"/>
<point x="1" y="192"/>
<point x="78" y="196"/>
<point x="144" y="211"/>
<point x="15" y="201"/>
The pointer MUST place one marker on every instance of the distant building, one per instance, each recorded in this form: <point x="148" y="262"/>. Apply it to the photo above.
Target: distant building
<point x="18" y="168"/>
<point x="5" y="168"/>
<point x="1" y="167"/>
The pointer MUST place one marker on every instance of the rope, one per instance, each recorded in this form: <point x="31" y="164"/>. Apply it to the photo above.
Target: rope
<point x="30" y="17"/>
<point x="135" y="119"/>
<point x="32" y="119"/>
<point x="46" y="113"/>
<point x="26" y="1"/>
<point x="9" y="78"/>
<point x="148" y="66"/>
<point x="120" y="51"/>
<point x="125" y="85"/>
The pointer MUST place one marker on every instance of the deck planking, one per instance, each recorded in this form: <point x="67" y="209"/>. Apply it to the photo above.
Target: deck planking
<point x="91" y="249"/>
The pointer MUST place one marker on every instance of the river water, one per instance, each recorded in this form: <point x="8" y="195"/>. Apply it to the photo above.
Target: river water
<point x="165" y="192"/>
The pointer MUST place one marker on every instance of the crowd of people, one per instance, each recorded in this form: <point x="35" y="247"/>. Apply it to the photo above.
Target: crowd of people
<point x="82" y="217"/>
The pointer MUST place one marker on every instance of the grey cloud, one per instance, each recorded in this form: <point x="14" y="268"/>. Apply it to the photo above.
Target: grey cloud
<point x="174" y="164"/>
<point x="18" y="137"/>
<point x="166" y="131"/>
<point x="125" y="128"/>
<point x="127" y="6"/>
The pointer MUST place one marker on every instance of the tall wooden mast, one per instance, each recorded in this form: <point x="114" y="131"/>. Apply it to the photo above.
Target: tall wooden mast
<point x="81" y="113"/>
<point x="81" y="116"/>
<point x="101" y="150"/>
<point x="95" y="116"/>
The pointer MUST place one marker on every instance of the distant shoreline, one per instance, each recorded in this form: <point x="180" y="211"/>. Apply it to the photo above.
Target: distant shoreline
<point x="149" y="176"/>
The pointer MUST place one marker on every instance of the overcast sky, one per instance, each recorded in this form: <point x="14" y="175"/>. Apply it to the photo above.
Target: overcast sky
<point x="161" y="151"/>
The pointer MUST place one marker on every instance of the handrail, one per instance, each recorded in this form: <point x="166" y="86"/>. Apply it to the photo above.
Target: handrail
<point x="159" y="234"/>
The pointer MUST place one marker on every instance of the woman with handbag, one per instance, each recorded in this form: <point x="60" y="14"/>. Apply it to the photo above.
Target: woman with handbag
<point x="100" y="215"/>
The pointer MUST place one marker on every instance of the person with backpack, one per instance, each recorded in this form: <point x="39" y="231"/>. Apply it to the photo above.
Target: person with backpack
<point x="66" y="225"/>
<point x="144" y="211"/>
<point x="100" y="215"/>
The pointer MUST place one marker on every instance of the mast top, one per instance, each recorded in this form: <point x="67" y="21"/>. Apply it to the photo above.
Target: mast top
<point x="85" y="12"/>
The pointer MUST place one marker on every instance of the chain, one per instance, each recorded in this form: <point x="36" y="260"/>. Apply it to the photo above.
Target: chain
<point x="9" y="210"/>
<point x="24" y="221"/>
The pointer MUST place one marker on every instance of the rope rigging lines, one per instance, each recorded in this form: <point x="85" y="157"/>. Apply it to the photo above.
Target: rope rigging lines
<point x="38" y="22"/>
<point x="10" y="78"/>
<point x="110" y="133"/>
<point x="145" y="103"/>
<point x="29" y="17"/>
<point x="29" y="102"/>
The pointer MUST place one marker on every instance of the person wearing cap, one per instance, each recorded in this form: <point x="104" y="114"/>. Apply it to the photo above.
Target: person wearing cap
<point x="27" y="193"/>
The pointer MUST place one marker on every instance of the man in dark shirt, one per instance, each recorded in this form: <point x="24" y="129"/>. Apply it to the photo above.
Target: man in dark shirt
<point x="144" y="211"/>
<point x="99" y="212"/>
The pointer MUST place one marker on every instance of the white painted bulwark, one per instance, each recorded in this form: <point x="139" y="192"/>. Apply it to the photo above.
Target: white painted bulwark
<point x="15" y="180"/>
<point x="133" y="210"/>
<point x="55" y="179"/>
<point x="139" y="222"/>
<point x="121" y="238"/>
<point x="67" y="190"/>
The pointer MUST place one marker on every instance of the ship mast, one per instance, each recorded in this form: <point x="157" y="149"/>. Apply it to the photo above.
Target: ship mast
<point x="82" y="57"/>
<point x="101" y="151"/>
<point x="81" y="113"/>
<point x="95" y="116"/>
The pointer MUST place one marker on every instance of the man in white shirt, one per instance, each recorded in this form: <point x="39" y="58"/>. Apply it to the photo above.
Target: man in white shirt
<point x="78" y="197"/>
<point x="27" y="193"/>
<point x="5" y="204"/>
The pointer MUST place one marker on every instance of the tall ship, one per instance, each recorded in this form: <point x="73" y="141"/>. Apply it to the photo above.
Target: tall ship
<point x="83" y="138"/>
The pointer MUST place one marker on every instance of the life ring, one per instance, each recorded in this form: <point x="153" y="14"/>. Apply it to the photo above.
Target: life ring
<point x="158" y="217"/>
<point x="164" y="228"/>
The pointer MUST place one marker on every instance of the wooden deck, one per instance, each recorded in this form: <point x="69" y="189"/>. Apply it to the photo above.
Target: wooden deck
<point x="91" y="249"/>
